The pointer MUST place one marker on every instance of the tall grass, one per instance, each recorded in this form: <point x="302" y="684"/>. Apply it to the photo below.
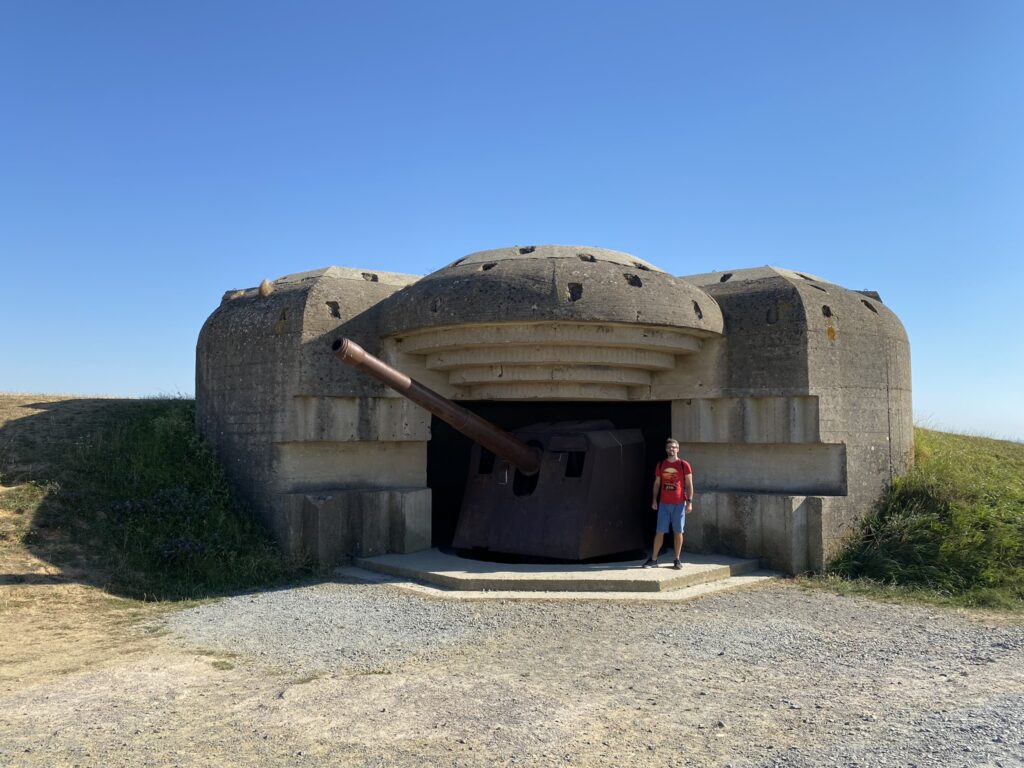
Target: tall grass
<point x="160" y="510"/>
<point x="953" y="526"/>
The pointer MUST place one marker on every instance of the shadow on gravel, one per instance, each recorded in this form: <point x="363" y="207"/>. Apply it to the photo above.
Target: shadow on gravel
<point x="121" y="495"/>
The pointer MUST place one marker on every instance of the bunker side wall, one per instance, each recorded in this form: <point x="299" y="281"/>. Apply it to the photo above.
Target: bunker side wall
<point x="859" y="364"/>
<point x="331" y="462"/>
<point x="246" y="369"/>
<point x="812" y="422"/>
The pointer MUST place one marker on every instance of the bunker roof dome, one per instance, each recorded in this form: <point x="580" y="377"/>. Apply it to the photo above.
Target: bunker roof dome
<point x="545" y="283"/>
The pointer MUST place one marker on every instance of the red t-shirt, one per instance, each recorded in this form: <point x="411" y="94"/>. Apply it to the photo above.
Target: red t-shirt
<point x="673" y="480"/>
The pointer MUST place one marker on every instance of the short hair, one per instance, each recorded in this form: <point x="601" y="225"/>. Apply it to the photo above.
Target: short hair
<point x="671" y="440"/>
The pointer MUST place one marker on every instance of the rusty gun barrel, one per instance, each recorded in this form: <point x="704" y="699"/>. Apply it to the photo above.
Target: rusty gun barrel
<point x="523" y="457"/>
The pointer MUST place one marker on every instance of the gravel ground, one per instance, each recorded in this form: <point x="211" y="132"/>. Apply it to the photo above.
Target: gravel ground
<point x="347" y="674"/>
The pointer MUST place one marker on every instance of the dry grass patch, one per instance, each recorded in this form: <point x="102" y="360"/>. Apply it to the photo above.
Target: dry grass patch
<point x="56" y="617"/>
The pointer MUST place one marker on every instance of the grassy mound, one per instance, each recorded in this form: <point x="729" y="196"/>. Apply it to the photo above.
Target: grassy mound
<point x="146" y="501"/>
<point x="952" y="528"/>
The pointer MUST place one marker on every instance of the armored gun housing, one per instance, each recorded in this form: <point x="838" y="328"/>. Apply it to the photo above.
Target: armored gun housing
<point x="563" y="490"/>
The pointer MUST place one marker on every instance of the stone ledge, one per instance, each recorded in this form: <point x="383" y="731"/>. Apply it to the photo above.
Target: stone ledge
<point x="459" y="573"/>
<point x="751" y="580"/>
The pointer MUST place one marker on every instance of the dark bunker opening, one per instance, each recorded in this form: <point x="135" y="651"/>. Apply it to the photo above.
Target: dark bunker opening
<point x="449" y="456"/>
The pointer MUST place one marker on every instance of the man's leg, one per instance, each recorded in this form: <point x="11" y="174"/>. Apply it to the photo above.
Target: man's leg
<point x="661" y="527"/>
<point x="658" y="539"/>
<point x="678" y="523"/>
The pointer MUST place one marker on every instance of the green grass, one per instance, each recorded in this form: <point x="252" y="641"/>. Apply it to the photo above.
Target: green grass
<point x="950" y="531"/>
<point x="150" y="503"/>
<point x="137" y="494"/>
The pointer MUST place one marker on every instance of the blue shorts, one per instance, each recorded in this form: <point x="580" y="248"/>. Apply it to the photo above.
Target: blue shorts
<point x="671" y="516"/>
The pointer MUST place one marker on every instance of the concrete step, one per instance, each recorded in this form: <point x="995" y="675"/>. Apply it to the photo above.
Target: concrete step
<point x="452" y="573"/>
<point x="752" y="579"/>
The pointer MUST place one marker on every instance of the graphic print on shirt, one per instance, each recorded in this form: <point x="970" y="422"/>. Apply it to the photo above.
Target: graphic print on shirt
<point x="673" y="477"/>
<point x="669" y="479"/>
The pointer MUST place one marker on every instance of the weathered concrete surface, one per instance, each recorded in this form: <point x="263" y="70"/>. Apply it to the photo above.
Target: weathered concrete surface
<point x="550" y="283"/>
<point x="546" y="323"/>
<point x="265" y="401"/>
<point x="770" y="467"/>
<point x="773" y="527"/>
<point x="790" y="394"/>
<point x="457" y="573"/>
<point x="365" y="523"/>
<point x="565" y="591"/>
<point x="796" y="335"/>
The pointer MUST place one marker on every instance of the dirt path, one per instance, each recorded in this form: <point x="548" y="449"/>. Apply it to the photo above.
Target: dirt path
<point x="778" y="676"/>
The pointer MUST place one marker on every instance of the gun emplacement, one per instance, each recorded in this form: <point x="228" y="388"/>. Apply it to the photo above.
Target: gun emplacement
<point x="523" y="457"/>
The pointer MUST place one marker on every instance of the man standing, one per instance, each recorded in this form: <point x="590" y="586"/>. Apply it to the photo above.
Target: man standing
<point x="673" y="498"/>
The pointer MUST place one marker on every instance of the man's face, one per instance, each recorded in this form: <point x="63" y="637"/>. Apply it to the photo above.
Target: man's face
<point x="672" y="450"/>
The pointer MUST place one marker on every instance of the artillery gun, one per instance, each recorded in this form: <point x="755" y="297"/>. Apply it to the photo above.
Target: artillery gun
<point x="561" y="490"/>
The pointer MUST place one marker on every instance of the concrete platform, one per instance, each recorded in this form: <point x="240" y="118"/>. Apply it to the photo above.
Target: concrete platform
<point x="450" y="575"/>
<point x="753" y="579"/>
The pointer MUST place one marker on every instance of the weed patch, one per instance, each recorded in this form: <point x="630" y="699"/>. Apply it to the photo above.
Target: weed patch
<point x="953" y="526"/>
<point x="146" y="496"/>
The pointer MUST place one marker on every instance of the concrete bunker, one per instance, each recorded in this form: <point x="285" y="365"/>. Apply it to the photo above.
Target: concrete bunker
<point x="795" y="420"/>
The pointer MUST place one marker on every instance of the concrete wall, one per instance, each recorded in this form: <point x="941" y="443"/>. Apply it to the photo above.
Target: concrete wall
<point x="332" y="462"/>
<point x="246" y="372"/>
<point x="815" y="406"/>
<point x="859" y="368"/>
<point x="791" y="394"/>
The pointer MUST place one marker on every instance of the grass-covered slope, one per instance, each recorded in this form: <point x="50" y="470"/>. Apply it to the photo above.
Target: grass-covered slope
<point x="135" y="500"/>
<point x="122" y="494"/>
<point x="952" y="529"/>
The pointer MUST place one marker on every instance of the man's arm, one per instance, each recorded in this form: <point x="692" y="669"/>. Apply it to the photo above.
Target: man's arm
<point x="657" y="488"/>
<point x="689" y="489"/>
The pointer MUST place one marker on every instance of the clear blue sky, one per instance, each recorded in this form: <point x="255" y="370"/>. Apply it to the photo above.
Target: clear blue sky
<point x="155" y="154"/>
